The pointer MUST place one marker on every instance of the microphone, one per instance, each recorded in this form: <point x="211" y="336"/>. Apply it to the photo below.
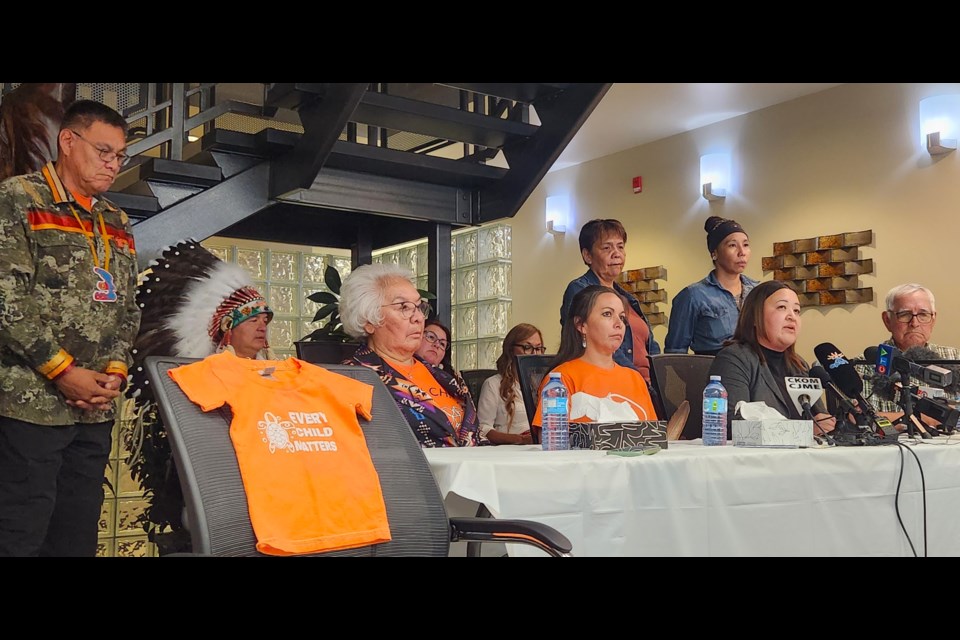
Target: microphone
<point x="804" y="392"/>
<point x="824" y="377"/>
<point x="882" y="383"/>
<point x="840" y="369"/>
<point x="846" y="377"/>
<point x="931" y="374"/>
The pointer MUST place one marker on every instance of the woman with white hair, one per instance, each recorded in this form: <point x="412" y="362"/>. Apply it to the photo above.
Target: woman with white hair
<point x="379" y="304"/>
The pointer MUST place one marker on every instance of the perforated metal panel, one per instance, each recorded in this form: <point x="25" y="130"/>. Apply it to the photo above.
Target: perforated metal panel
<point x="125" y="97"/>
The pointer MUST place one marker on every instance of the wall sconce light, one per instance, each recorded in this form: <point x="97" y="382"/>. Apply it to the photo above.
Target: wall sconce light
<point x="939" y="117"/>
<point x="558" y="213"/>
<point x="715" y="175"/>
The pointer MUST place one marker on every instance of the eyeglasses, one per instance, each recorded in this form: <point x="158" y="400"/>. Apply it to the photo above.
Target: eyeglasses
<point x="433" y="338"/>
<point x="407" y="308"/>
<point x="924" y="317"/>
<point x="105" y="154"/>
<point x="529" y="348"/>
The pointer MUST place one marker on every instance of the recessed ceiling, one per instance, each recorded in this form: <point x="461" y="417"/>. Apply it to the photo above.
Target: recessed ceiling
<point x="632" y="114"/>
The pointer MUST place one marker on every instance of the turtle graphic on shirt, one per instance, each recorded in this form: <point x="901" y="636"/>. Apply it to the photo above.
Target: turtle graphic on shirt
<point x="276" y="432"/>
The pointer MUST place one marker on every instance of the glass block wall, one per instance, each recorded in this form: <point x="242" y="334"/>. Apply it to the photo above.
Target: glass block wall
<point x="482" y="286"/>
<point x="286" y="278"/>
<point x="119" y="534"/>
<point x="481" y="282"/>
<point x="481" y="289"/>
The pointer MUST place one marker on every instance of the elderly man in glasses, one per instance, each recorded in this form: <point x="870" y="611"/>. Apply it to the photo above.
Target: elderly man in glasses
<point x="911" y="314"/>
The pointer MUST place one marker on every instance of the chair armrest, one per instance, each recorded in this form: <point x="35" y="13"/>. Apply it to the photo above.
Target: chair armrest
<point x="536" y="534"/>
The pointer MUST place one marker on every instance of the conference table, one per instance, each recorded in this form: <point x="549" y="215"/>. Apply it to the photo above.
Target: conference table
<point x="691" y="500"/>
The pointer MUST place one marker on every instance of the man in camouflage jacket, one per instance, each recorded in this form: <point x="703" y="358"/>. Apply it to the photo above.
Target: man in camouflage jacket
<point x="68" y="316"/>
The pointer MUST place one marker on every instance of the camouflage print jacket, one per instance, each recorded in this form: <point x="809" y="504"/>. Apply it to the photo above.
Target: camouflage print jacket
<point x="51" y="313"/>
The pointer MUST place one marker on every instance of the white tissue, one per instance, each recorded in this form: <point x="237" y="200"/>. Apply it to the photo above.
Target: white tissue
<point x="757" y="411"/>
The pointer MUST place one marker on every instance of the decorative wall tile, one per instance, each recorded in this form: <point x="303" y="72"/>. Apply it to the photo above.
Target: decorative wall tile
<point x="824" y="270"/>
<point x="642" y="283"/>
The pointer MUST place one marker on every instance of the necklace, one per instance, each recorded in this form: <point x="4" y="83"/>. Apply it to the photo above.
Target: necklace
<point x="104" y="290"/>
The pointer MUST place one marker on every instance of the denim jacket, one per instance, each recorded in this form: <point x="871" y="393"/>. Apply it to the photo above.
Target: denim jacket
<point x="703" y="315"/>
<point x="623" y="355"/>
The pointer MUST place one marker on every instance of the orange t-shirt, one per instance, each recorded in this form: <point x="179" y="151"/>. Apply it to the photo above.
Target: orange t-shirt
<point x="310" y="483"/>
<point x="619" y="384"/>
<point x="428" y="389"/>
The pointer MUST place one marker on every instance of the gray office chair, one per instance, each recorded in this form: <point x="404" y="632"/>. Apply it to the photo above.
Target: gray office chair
<point x="475" y="379"/>
<point x="530" y="370"/>
<point x="678" y="377"/>
<point x="216" y="505"/>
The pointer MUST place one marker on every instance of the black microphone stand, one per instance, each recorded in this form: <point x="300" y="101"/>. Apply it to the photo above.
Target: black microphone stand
<point x="906" y="403"/>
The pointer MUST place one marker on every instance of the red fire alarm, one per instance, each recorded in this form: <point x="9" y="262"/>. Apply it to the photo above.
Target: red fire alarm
<point x="637" y="184"/>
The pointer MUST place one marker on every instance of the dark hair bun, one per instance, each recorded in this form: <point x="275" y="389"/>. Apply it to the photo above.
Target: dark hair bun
<point x="711" y="222"/>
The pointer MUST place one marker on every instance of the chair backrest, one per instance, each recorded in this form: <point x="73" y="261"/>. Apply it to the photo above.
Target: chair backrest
<point x="679" y="377"/>
<point x="325" y="351"/>
<point x="216" y="503"/>
<point x="530" y="370"/>
<point x="475" y="379"/>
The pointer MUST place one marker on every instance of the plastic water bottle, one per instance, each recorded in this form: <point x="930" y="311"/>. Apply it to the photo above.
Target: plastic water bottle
<point x="555" y="427"/>
<point x="714" y="413"/>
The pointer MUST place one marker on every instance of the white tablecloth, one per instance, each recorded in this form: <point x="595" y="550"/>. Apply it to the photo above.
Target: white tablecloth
<point x="691" y="500"/>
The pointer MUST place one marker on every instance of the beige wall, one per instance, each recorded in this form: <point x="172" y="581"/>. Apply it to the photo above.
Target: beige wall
<point x="846" y="159"/>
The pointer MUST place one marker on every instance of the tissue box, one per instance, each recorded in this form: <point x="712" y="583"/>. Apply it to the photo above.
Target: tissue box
<point x="617" y="435"/>
<point x="773" y="433"/>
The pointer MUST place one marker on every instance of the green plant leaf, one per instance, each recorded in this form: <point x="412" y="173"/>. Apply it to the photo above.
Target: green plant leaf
<point x="426" y="295"/>
<point x="327" y="310"/>
<point x="322" y="297"/>
<point x="332" y="279"/>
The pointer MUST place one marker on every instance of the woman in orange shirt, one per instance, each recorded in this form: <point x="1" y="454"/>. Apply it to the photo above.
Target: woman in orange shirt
<point x="380" y="305"/>
<point x="600" y="390"/>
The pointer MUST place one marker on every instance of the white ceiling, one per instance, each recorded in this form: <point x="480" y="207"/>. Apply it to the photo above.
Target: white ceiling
<point x="632" y="114"/>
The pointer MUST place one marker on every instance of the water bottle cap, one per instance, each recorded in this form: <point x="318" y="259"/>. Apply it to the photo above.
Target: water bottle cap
<point x="554" y="374"/>
<point x="715" y="377"/>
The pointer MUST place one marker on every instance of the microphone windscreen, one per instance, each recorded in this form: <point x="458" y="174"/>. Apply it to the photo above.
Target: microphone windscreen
<point x="870" y="355"/>
<point x="915" y="354"/>
<point x="882" y="386"/>
<point x="839" y="368"/>
<point x="820" y="372"/>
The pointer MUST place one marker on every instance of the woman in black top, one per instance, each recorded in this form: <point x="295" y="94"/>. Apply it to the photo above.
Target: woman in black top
<point x="753" y="364"/>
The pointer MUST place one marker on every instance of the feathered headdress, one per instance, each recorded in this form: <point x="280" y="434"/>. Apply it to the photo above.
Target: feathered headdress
<point x="189" y="300"/>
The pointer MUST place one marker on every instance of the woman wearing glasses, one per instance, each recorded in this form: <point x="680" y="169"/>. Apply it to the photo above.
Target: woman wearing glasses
<point x="435" y="347"/>
<point x="503" y="416"/>
<point x="380" y="305"/>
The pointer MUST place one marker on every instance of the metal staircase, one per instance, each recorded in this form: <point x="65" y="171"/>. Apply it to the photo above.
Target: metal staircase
<point x="347" y="165"/>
